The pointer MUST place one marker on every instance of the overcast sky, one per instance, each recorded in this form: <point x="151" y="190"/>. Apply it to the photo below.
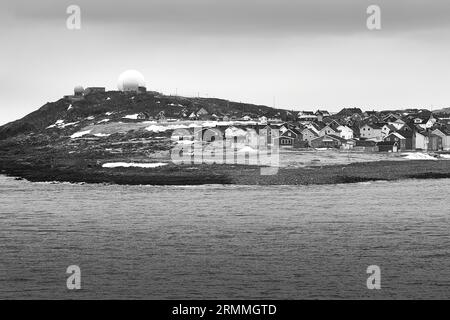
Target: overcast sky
<point x="300" y="54"/>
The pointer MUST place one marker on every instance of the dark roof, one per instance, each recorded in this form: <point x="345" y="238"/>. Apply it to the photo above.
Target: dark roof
<point x="374" y="125"/>
<point x="391" y="127"/>
<point x="406" y="134"/>
<point x="444" y="130"/>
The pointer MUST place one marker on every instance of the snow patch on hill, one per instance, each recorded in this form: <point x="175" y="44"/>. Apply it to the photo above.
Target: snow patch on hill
<point x="132" y="164"/>
<point x="80" y="134"/>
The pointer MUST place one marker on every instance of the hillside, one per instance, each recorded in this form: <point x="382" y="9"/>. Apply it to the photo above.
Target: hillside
<point x="114" y="106"/>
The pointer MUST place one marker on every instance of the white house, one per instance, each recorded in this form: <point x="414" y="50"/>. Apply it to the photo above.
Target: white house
<point x="345" y="132"/>
<point x="445" y="135"/>
<point x="371" y="132"/>
<point x="421" y="141"/>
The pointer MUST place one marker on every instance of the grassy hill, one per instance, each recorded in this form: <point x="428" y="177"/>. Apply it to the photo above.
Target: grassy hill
<point x="118" y="104"/>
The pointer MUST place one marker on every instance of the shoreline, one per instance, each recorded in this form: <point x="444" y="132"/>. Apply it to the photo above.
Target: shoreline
<point x="211" y="174"/>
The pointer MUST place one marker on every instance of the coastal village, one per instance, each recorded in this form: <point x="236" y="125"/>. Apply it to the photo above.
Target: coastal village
<point x="136" y="136"/>
<point x="350" y="129"/>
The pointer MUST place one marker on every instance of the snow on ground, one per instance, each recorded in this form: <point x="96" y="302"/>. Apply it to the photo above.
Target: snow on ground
<point x="70" y="107"/>
<point x="131" y="116"/>
<point x="247" y="149"/>
<point x="131" y="164"/>
<point x="175" y="105"/>
<point x="69" y="124"/>
<point x="418" y="156"/>
<point x="90" y="118"/>
<point x="445" y="156"/>
<point x="56" y="124"/>
<point x="80" y="134"/>
<point x="156" y="128"/>
<point x="101" y="134"/>
<point x="109" y="113"/>
<point x="104" y="120"/>
<point x="61" y="124"/>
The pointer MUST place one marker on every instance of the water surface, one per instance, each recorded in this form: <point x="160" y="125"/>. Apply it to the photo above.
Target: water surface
<point x="225" y="242"/>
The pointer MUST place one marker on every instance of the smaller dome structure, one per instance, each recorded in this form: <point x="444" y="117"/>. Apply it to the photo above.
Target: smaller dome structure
<point x="78" y="91"/>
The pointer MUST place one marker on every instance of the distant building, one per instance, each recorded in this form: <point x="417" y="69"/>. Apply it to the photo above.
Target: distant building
<point x="327" y="141"/>
<point x="327" y="130"/>
<point x="345" y="132"/>
<point x="90" y="90"/>
<point x="398" y="139"/>
<point x="445" y="135"/>
<point x="291" y="138"/>
<point x="142" y="89"/>
<point x="371" y="132"/>
<point x="388" y="146"/>
<point x="309" y="135"/>
<point x="306" y="116"/>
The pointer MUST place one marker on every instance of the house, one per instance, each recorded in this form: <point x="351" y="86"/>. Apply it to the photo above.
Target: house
<point x="202" y="112"/>
<point x="142" y="90"/>
<point x="398" y="139"/>
<point x="142" y="116"/>
<point x="434" y="142"/>
<point x="262" y="119"/>
<point x="445" y="135"/>
<point x="420" y="140"/>
<point x="391" y="118"/>
<point x="409" y="138"/>
<point x="387" y="129"/>
<point x="431" y="142"/>
<point x="327" y="141"/>
<point x="334" y="124"/>
<point x="388" y="146"/>
<point x="291" y="138"/>
<point x="321" y="114"/>
<point x="212" y="135"/>
<point x="306" y="116"/>
<point x="327" y="130"/>
<point x="309" y="135"/>
<point x="268" y="133"/>
<point x="394" y="120"/>
<point x="426" y="121"/>
<point x="345" y="132"/>
<point x="371" y="132"/>
<point x="236" y="135"/>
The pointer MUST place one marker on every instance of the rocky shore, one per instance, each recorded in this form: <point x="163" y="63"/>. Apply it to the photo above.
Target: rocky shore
<point x="89" y="171"/>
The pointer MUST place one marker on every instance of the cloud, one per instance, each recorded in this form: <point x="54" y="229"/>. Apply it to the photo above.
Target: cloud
<point x="248" y="17"/>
